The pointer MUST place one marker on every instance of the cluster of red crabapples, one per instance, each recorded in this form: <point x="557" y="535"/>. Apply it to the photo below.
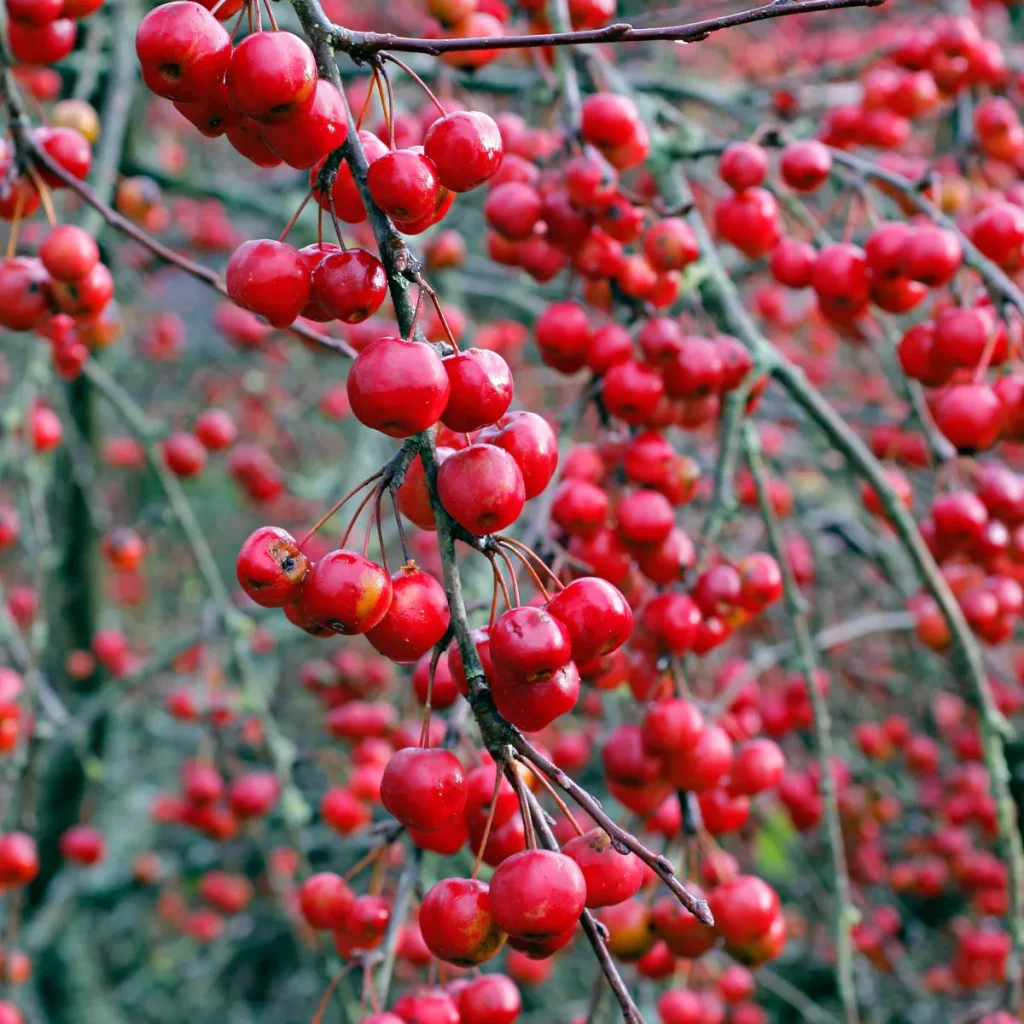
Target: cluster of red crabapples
<point x="545" y="218"/>
<point x="976" y="537"/>
<point x="64" y="292"/>
<point x="44" y="31"/>
<point x="266" y="96"/>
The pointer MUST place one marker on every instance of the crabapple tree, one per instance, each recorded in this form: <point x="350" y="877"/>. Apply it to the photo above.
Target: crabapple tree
<point x="511" y="511"/>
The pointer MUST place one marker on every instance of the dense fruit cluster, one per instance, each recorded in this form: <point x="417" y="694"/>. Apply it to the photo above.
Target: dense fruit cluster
<point x="619" y="554"/>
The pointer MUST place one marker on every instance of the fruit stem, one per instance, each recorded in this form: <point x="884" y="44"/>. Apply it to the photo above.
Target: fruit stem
<point x="362" y="505"/>
<point x="529" y="568"/>
<point x="295" y="216"/>
<point x="512" y="573"/>
<point x="425" y="728"/>
<point x="364" y="862"/>
<point x="321" y="1008"/>
<point x="323" y="519"/>
<point x="421" y="281"/>
<point x="12" y="239"/>
<point x="400" y="525"/>
<point x="380" y="528"/>
<point x="630" y="1013"/>
<point x="499" y="765"/>
<point x="986" y="355"/>
<point x="552" y="792"/>
<point x="416" y="78"/>
<point x="366" y="102"/>
<point x="390" y="116"/>
<point x="270" y="15"/>
<point x="519" y="786"/>
<point x="45" y="195"/>
<point x="499" y="580"/>
<point x="525" y="552"/>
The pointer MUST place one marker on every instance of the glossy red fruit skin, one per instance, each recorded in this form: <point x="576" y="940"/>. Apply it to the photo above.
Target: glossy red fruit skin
<point x="749" y="220"/>
<point x="481" y="389"/>
<point x="417" y="619"/>
<point x="804" y="165"/>
<point x="41" y="44"/>
<point x="529" y="439"/>
<point x="325" y="899"/>
<point x="68" y="253"/>
<point x="792" y="263"/>
<point x="670" y="244"/>
<point x="83" y="844"/>
<point x="595" y="614"/>
<point x="25" y="296"/>
<point x="743" y="909"/>
<point x="481" y="487"/>
<point x="34" y="12"/>
<point x="759" y="765"/>
<point x="404" y="184"/>
<point x="445" y="692"/>
<point x="269" y="278"/>
<point x="86" y="297"/>
<point x="970" y="416"/>
<point x="537" y="894"/>
<point x="10" y="1014"/>
<point x="213" y="115"/>
<point x="743" y="165"/>
<point x="457" y="925"/>
<point x="342" y="811"/>
<point x="184" y="455"/>
<point x="350" y="285"/>
<point x="346" y="593"/>
<point x="466" y="149"/>
<point x="215" y="429"/>
<point x="414" y="495"/>
<point x="398" y="387"/>
<point x="611" y="877"/>
<point x="272" y="75"/>
<point x="183" y="51"/>
<point x="705" y="764"/>
<point x="348" y="204"/>
<point x="429" y="1006"/>
<point x="253" y="794"/>
<point x="608" y="120"/>
<point x="534" y="706"/>
<point x="931" y="255"/>
<point x="672" y="724"/>
<point x="529" y="645"/>
<point x="313" y="131"/>
<point x="270" y="567"/>
<point x="491" y="999"/>
<point x="68" y="148"/>
<point x="482" y="642"/>
<point x="424" y="789"/>
<point x="19" y="859"/>
<point x="513" y="209"/>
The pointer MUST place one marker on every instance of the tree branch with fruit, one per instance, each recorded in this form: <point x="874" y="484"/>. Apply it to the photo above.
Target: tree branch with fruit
<point x="694" y="313"/>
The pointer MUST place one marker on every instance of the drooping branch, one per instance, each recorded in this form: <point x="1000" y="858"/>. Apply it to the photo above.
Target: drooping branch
<point x="725" y="303"/>
<point x="32" y="155"/>
<point x="361" y="45"/>
<point x="796" y="609"/>
<point x="590" y="926"/>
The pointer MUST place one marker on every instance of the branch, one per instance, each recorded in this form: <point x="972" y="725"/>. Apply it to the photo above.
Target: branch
<point x="796" y="608"/>
<point x="116" y="108"/>
<point x="361" y="45"/>
<point x="33" y="155"/>
<point x="590" y="927"/>
<point x="731" y="313"/>
<point x="621" y="839"/>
